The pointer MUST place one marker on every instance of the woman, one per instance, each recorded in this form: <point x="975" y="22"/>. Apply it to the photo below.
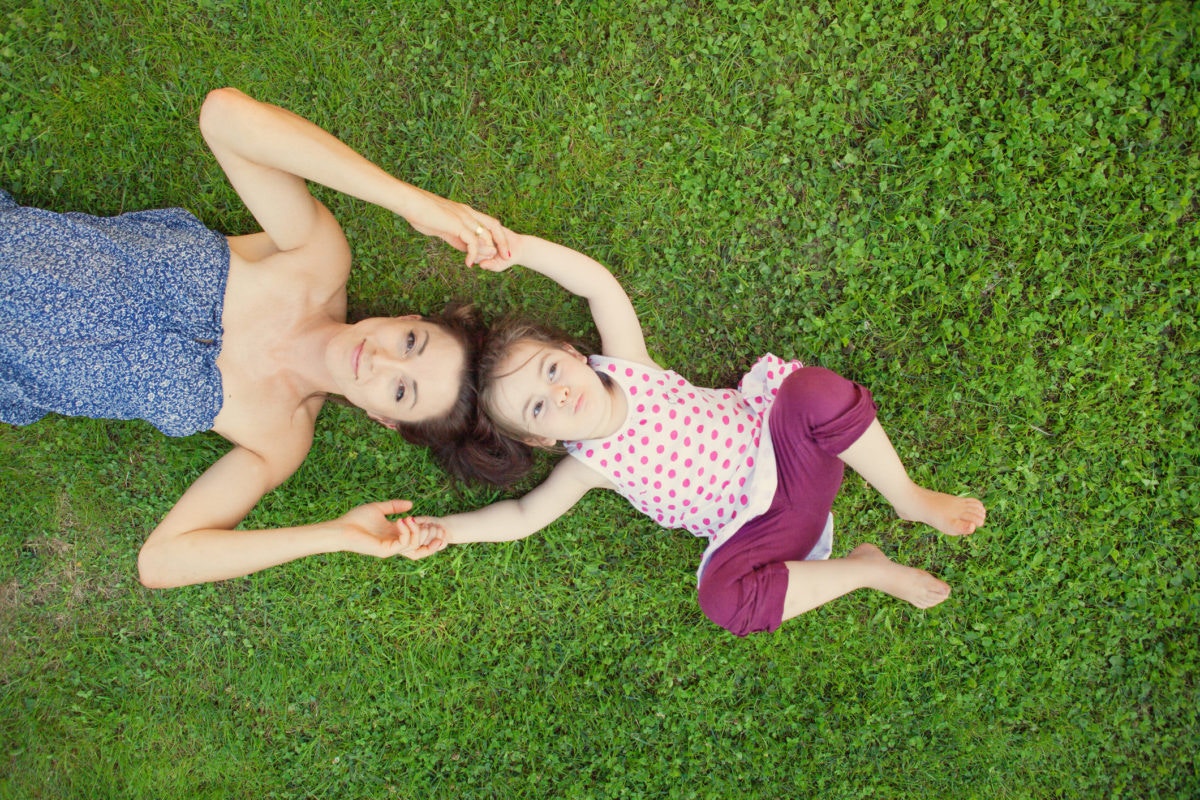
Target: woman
<point x="150" y="315"/>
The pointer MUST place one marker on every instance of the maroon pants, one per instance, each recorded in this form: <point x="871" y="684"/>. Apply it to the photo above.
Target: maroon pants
<point x="817" y="414"/>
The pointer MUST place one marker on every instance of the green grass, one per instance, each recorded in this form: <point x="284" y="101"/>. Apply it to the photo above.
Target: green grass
<point x="986" y="212"/>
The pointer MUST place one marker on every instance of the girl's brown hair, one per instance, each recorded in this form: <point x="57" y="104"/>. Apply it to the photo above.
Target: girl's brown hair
<point x="492" y="452"/>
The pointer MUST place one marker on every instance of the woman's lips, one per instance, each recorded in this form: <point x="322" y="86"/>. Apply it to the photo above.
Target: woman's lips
<point x="356" y="357"/>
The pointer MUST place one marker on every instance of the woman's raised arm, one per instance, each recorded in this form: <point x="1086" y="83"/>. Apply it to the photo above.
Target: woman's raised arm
<point x="268" y="153"/>
<point x="196" y="543"/>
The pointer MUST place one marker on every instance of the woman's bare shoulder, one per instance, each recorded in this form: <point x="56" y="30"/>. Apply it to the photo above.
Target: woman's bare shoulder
<point x="277" y="431"/>
<point x="322" y="262"/>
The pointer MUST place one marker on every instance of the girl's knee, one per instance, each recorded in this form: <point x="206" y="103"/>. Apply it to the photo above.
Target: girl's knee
<point x="816" y="388"/>
<point x="717" y="603"/>
<point x="735" y="623"/>
<point x="742" y="605"/>
<point x="822" y="401"/>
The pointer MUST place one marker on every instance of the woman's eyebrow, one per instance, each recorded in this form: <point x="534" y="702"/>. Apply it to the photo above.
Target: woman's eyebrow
<point x="413" y="382"/>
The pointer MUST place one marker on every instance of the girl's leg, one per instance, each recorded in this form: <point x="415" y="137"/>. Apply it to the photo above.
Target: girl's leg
<point x="816" y="415"/>
<point x="820" y="422"/>
<point x="815" y="583"/>
<point x="873" y="457"/>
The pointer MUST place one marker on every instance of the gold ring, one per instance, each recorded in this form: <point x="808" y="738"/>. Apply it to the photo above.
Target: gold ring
<point x="479" y="231"/>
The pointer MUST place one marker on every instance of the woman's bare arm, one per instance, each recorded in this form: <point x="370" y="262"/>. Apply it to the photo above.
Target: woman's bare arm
<point x="196" y="543"/>
<point x="268" y="153"/>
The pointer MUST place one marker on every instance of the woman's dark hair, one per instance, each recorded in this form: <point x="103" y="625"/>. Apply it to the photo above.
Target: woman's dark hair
<point x="491" y="452"/>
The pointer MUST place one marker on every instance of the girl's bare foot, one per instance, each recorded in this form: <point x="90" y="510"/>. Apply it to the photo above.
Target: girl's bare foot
<point x="910" y="584"/>
<point x="955" y="516"/>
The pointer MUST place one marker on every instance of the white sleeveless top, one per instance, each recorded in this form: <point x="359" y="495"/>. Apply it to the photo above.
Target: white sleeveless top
<point x="691" y="457"/>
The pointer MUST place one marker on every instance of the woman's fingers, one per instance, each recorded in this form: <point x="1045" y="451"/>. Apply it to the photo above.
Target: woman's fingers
<point x="389" y="507"/>
<point x="472" y="238"/>
<point x="499" y="237"/>
<point x="485" y="241"/>
<point x="480" y="236"/>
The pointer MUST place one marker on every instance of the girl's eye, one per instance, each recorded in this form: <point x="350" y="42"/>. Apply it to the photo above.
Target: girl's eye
<point x="400" y="393"/>
<point x="537" y="409"/>
<point x="553" y="373"/>
<point x="409" y="341"/>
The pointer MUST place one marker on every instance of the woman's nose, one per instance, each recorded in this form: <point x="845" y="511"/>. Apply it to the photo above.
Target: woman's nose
<point x="382" y="360"/>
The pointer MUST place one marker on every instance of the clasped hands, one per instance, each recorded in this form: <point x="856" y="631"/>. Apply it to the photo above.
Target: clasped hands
<point x="480" y="236"/>
<point x="371" y="530"/>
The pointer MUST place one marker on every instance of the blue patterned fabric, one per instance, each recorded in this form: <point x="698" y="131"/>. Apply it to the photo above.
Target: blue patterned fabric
<point x="110" y="317"/>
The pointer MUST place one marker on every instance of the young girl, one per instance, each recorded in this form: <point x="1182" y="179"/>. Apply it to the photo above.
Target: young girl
<point x="755" y="471"/>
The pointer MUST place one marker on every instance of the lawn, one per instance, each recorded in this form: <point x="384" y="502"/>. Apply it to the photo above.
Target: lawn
<point x="984" y="211"/>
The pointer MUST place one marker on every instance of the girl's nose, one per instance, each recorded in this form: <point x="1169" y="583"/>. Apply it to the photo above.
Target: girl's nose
<point x="563" y="394"/>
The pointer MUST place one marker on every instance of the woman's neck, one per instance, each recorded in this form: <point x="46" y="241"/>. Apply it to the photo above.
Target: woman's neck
<point x="303" y="360"/>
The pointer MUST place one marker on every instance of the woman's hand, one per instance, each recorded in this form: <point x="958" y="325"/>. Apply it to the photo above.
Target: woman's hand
<point x="369" y="530"/>
<point x="481" y="237"/>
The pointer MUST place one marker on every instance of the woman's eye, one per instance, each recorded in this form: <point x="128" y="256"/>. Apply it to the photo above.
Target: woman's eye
<point x="409" y="341"/>
<point x="400" y="393"/>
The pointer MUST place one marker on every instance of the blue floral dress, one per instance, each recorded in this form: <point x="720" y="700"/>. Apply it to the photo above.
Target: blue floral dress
<point x="110" y="317"/>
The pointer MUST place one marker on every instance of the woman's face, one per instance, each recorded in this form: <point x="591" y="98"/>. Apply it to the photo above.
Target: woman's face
<point x="398" y="369"/>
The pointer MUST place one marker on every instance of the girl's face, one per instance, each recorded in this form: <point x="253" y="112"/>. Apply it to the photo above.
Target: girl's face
<point x="549" y="393"/>
<point x="402" y="369"/>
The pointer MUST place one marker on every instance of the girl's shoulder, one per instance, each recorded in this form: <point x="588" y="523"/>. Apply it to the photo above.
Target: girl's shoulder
<point x="623" y="366"/>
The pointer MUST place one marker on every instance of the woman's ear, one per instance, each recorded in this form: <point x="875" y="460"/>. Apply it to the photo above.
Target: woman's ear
<point x="390" y="424"/>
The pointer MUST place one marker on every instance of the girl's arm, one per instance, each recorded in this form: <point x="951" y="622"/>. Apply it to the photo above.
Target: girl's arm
<point x="614" y="315"/>
<point x="196" y="543"/>
<point x="515" y="519"/>
<point x="268" y="152"/>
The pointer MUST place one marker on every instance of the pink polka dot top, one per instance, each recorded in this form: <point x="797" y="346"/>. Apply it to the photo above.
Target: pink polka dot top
<point x="690" y="457"/>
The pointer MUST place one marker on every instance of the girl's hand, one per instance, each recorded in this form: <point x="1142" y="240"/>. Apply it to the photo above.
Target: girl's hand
<point x="481" y="237"/>
<point x="498" y="262"/>
<point x="369" y="530"/>
<point x="430" y="528"/>
<point x="426" y="540"/>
